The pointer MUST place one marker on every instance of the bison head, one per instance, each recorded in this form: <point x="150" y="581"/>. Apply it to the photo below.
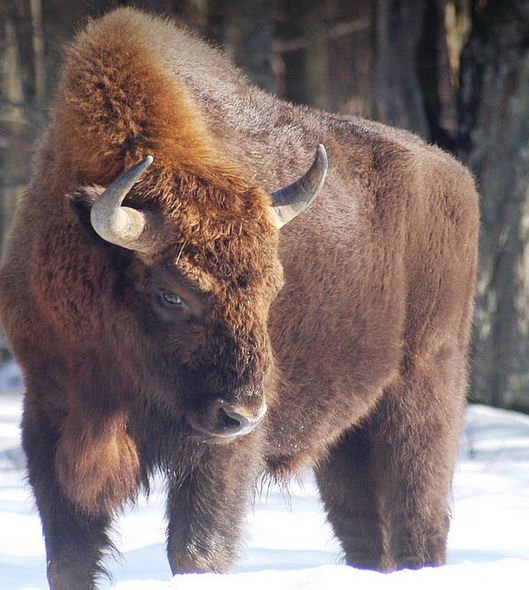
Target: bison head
<point x="195" y="283"/>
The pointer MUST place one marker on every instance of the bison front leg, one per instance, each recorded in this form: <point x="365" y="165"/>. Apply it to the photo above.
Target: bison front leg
<point x="207" y="502"/>
<point x="75" y="542"/>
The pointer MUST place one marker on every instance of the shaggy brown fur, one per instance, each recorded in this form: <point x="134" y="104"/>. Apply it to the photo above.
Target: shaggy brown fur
<point x="361" y="356"/>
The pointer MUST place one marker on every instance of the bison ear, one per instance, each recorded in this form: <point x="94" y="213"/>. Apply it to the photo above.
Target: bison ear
<point x="81" y="202"/>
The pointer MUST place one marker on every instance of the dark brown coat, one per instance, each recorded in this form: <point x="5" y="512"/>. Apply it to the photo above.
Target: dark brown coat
<point x="360" y="356"/>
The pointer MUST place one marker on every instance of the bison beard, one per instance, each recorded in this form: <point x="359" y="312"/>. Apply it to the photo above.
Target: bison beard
<point x="164" y="323"/>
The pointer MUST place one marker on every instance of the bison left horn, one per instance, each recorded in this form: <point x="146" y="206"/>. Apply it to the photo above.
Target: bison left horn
<point x="125" y="226"/>
<point x="289" y="202"/>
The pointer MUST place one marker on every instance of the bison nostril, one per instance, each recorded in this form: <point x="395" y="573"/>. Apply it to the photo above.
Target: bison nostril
<point x="222" y="419"/>
<point x="230" y="420"/>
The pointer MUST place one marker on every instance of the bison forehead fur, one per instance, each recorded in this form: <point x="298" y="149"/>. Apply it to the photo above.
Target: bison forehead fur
<point x="339" y="342"/>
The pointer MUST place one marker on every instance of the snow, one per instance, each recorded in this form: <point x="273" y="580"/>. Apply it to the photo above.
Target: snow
<point x="289" y="546"/>
<point x="10" y="375"/>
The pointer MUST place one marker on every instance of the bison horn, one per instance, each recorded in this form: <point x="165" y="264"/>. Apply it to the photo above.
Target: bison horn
<point x="125" y="226"/>
<point x="292" y="200"/>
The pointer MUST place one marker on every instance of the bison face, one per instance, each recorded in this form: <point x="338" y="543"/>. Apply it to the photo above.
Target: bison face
<point x="197" y="272"/>
<point x="214" y="353"/>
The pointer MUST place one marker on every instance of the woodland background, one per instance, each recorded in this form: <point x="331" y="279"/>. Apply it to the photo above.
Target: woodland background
<point x="454" y="71"/>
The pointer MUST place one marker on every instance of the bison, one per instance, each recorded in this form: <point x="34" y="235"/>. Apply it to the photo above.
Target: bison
<point x="172" y="312"/>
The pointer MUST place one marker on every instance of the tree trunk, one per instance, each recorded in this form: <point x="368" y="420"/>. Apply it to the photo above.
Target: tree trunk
<point x="290" y="50"/>
<point x="256" y="29"/>
<point x="350" y="56"/>
<point x="398" y="96"/>
<point x="494" y="142"/>
<point x="12" y="125"/>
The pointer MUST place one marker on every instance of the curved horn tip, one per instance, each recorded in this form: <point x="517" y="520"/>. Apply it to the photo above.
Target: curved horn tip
<point x="141" y="166"/>
<point x="123" y="226"/>
<point x="321" y="155"/>
<point x="289" y="202"/>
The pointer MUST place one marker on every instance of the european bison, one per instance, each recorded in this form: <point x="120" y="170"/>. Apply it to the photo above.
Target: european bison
<point x="183" y="332"/>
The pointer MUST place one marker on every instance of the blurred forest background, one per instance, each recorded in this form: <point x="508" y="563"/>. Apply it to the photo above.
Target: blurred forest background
<point x="454" y="71"/>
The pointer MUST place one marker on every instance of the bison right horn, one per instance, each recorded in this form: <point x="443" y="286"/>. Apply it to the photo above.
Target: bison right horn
<point x="289" y="202"/>
<point x="125" y="226"/>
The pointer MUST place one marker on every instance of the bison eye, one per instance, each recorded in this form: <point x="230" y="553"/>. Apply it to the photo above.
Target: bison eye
<point x="171" y="299"/>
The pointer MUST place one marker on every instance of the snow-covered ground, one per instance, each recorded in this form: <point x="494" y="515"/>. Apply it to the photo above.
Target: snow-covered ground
<point x="289" y="545"/>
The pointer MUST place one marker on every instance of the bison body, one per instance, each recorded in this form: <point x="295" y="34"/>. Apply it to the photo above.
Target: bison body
<point x="349" y="326"/>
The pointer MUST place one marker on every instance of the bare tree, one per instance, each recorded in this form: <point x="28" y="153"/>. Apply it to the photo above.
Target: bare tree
<point x="494" y="141"/>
